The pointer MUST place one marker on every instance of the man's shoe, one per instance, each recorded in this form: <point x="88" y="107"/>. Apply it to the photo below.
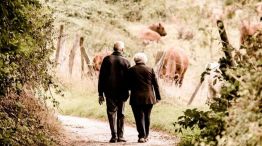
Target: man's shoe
<point x="121" y="140"/>
<point x="113" y="140"/>
<point x="141" y="140"/>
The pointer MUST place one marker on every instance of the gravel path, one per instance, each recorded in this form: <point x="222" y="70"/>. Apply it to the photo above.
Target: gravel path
<point x="83" y="131"/>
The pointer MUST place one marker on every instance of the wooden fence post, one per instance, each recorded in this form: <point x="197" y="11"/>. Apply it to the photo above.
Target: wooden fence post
<point x="227" y="48"/>
<point x="59" y="43"/>
<point x="72" y="54"/>
<point x="84" y="56"/>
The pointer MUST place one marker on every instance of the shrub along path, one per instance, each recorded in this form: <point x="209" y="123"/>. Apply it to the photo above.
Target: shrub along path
<point x="83" y="131"/>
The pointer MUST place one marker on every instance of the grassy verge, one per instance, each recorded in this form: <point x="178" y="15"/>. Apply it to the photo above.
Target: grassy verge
<point x="24" y="120"/>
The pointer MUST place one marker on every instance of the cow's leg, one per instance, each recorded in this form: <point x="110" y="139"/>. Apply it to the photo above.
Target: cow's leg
<point x="163" y="70"/>
<point x="176" y="79"/>
<point x="181" y="78"/>
<point x="180" y="82"/>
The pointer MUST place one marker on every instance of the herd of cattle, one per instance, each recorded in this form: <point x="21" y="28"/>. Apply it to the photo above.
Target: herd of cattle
<point x="172" y="63"/>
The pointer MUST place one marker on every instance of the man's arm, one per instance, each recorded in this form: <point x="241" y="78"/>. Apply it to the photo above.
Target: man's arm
<point x="101" y="78"/>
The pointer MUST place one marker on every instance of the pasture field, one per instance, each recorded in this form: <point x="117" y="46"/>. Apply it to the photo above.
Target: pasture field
<point x="102" y="22"/>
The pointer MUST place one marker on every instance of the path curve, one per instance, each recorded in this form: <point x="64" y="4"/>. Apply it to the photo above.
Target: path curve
<point x="83" y="132"/>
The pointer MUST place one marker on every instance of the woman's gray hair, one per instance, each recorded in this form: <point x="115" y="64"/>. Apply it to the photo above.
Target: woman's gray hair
<point x="140" y="57"/>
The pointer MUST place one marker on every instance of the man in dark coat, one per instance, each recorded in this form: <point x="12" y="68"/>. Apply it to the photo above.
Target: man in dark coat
<point x="144" y="93"/>
<point x="112" y="84"/>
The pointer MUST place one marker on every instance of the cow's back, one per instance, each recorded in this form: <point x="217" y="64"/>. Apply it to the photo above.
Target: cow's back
<point x="248" y="29"/>
<point x="174" y="65"/>
<point x="149" y="35"/>
<point x="152" y="33"/>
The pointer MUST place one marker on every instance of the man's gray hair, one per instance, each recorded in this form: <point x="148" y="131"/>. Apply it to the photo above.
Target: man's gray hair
<point x="140" y="57"/>
<point x="119" y="46"/>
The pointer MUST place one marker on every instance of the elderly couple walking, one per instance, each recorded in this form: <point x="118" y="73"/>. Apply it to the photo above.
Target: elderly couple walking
<point x="116" y="79"/>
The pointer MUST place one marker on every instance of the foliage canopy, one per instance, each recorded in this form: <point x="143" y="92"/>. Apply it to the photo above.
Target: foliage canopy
<point x="25" y="45"/>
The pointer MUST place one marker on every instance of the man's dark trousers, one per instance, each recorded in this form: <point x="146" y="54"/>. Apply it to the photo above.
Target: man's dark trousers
<point x="142" y="117"/>
<point x="115" y="113"/>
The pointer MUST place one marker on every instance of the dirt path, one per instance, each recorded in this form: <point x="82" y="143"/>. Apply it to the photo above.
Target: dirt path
<point x="83" y="131"/>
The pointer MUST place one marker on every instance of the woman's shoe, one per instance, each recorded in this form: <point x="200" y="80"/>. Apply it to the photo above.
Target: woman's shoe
<point x="141" y="140"/>
<point x="113" y="140"/>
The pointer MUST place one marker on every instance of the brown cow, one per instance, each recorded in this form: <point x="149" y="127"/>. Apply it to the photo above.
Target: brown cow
<point x="259" y="9"/>
<point x="248" y="29"/>
<point x="173" y="65"/>
<point x="153" y="33"/>
<point x="98" y="59"/>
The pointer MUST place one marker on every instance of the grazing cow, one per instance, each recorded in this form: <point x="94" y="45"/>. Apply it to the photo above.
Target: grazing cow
<point x="173" y="65"/>
<point x="98" y="59"/>
<point x="248" y="29"/>
<point x="153" y="33"/>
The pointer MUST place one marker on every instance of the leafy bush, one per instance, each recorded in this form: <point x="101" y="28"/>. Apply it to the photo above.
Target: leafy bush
<point x="209" y="122"/>
<point x="25" y="48"/>
<point x="232" y="117"/>
<point x="235" y="118"/>
<point x="25" y="43"/>
<point x="25" y="121"/>
<point x="243" y="124"/>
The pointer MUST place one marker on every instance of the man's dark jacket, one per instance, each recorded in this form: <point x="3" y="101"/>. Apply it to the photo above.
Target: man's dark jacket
<point x="143" y="85"/>
<point x="113" y="77"/>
